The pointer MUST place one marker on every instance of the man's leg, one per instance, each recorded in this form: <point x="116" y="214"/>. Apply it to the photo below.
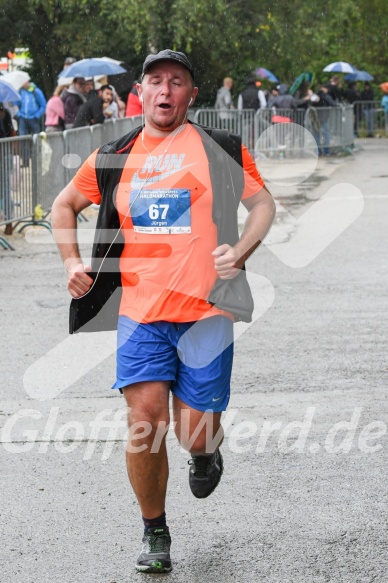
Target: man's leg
<point x="148" y="472"/>
<point x="147" y="466"/>
<point x="200" y="394"/>
<point x="201" y="434"/>
<point x="198" y="432"/>
<point x="34" y="126"/>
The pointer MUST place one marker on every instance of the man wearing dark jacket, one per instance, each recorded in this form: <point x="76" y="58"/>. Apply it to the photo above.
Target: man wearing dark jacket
<point x="73" y="98"/>
<point x="92" y="111"/>
<point x="284" y="100"/>
<point x="324" y="104"/>
<point x="160" y="194"/>
<point x="367" y="97"/>
<point x="352" y="96"/>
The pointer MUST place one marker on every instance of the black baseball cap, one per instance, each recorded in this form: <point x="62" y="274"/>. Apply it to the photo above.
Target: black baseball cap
<point x="167" y="55"/>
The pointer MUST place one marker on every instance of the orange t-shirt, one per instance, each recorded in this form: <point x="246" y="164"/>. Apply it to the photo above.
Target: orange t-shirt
<point x="164" y="201"/>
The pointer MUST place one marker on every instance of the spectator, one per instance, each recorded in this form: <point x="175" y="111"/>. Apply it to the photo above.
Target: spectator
<point x="324" y="104"/>
<point x="251" y="97"/>
<point x="284" y="100"/>
<point x="92" y="112"/>
<point x="6" y="155"/>
<point x="111" y="109"/>
<point x="55" y="111"/>
<point x="335" y="89"/>
<point x="303" y="94"/>
<point x="32" y="106"/>
<point x="68" y="61"/>
<point x="120" y="103"/>
<point x="73" y="98"/>
<point x="273" y="93"/>
<point x="13" y="110"/>
<point x="352" y="96"/>
<point x="224" y="102"/>
<point x="367" y="97"/>
<point x="134" y="105"/>
<point x="89" y="86"/>
<point x="384" y="104"/>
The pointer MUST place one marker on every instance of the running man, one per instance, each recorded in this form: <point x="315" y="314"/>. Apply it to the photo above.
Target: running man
<point x="168" y="194"/>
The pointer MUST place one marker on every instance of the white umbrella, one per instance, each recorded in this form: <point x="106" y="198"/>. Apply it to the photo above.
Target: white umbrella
<point x="339" y="67"/>
<point x="16" y="78"/>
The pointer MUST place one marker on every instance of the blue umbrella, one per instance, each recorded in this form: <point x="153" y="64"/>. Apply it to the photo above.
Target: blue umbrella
<point x="359" y="76"/>
<point x="7" y="92"/>
<point x="91" y="67"/>
<point x="339" y="67"/>
<point x="265" y="74"/>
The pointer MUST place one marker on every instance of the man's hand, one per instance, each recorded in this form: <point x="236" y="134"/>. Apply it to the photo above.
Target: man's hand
<point x="79" y="282"/>
<point x="225" y="259"/>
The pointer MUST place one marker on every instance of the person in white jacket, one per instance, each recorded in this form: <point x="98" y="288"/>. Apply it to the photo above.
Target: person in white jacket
<point x="224" y="102"/>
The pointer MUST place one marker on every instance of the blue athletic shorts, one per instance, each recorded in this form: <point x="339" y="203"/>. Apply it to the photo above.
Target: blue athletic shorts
<point x="196" y="357"/>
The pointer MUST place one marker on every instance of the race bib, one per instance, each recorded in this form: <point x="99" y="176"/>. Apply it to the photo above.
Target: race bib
<point x="161" y="211"/>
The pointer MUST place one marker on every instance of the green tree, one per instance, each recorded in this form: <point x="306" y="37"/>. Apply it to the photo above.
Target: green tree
<point x="221" y="37"/>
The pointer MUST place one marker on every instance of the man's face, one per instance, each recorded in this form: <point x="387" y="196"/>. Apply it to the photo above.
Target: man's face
<point x="107" y="95"/>
<point x="167" y="89"/>
<point x="80" y="85"/>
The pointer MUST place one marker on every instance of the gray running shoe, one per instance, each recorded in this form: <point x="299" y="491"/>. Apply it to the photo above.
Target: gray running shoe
<point x="155" y="554"/>
<point x="205" y="473"/>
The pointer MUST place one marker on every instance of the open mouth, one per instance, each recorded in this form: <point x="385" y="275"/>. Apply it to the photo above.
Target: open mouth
<point x="164" y="105"/>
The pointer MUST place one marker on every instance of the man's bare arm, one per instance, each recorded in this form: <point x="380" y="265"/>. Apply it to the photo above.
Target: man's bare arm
<point x="68" y="204"/>
<point x="229" y="260"/>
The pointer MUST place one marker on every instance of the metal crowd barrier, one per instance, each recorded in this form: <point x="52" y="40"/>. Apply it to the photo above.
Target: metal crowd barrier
<point x="280" y="133"/>
<point x="370" y="119"/>
<point x="269" y="131"/>
<point x="34" y="169"/>
<point x="235" y="120"/>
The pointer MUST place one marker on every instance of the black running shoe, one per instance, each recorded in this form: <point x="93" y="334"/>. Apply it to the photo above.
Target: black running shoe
<point x="155" y="554"/>
<point x="205" y="473"/>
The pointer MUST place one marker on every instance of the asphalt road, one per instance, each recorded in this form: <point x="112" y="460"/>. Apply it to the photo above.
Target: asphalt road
<point x="304" y="493"/>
